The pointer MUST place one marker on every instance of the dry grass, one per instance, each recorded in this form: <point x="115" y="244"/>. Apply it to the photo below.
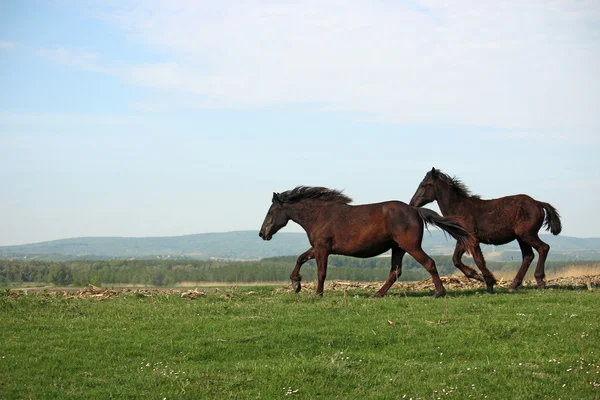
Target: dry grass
<point x="568" y="271"/>
<point x="453" y="283"/>
<point x="192" y="284"/>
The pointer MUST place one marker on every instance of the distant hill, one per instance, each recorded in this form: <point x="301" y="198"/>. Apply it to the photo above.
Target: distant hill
<point x="246" y="245"/>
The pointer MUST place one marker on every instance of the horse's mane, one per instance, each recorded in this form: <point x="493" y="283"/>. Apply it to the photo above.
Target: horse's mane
<point x="455" y="184"/>
<point x="315" y="193"/>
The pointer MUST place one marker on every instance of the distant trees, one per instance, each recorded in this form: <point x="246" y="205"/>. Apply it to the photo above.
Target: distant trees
<point x="62" y="276"/>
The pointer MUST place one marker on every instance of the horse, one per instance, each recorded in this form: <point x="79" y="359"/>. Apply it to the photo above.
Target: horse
<point x="334" y="226"/>
<point x="496" y="221"/>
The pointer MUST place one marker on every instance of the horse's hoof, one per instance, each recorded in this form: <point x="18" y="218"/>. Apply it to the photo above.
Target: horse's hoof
<point x="541" y="284"/>
<point x="378" y="295"/>
<point x="514" y="286"/>
<point x="439" y="294"/>
<point x="296" y="285"/>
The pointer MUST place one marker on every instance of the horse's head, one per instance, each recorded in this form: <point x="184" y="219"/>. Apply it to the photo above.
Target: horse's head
<point x="276" y="219"/>
<point x="426" y="191"/>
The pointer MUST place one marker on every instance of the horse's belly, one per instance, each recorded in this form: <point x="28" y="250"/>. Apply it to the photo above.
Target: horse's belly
<point x="365" y="251"/>
<point x="499" y="237"/>
<point x="369" y="254"/>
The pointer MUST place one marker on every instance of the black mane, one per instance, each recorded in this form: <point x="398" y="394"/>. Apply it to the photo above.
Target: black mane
<point x="315" y="193"/>
<point x="456" y="185"/>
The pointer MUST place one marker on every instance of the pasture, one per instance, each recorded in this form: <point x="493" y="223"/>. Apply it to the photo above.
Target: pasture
<point x="263" y="342"/>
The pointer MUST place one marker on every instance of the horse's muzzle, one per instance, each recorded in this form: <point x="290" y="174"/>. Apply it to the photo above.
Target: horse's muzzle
<point x="264" y="237"/>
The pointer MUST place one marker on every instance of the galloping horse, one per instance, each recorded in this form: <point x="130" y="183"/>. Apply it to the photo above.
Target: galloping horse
<point x="334" y="226"/>
<point x="496" y="221"/>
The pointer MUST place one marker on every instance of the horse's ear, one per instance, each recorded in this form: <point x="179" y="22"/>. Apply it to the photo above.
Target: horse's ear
<point x="276" y="198"/>
<point x="434" y="172"/>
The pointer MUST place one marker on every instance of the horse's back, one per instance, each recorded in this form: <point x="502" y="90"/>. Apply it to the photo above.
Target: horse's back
<point x="382" y="204"/>
<point x="374" y="214"/>
<point x="383" y="210"/>
<point x="502" y="219"/>
<point x="518" y="205"/>
<point x="369" y="229"/>
<point x="392" y="210"/>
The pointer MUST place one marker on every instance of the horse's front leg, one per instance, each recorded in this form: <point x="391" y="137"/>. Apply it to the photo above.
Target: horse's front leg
<point x="295" y="276"/>
<point x="321" y="258"/>
<point x="468" y="271"/>
<point x="489" y="278"/>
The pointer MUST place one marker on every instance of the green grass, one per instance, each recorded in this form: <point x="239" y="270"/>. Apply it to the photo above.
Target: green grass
<point x="256" y="344"/>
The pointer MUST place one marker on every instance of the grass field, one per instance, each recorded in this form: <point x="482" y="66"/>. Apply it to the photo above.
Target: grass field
<point x="252" y="342"/>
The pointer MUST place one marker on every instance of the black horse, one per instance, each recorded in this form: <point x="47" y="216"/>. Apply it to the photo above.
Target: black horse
<point x="496" y="221"/>
<point x="334" y="226"/>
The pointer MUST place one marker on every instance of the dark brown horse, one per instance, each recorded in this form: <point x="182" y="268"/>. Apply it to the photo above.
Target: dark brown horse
<point x="334" y="226"/>
<point x="496" y="221"/>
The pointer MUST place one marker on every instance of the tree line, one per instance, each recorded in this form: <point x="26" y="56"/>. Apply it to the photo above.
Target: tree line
<point x="172" y="272"/>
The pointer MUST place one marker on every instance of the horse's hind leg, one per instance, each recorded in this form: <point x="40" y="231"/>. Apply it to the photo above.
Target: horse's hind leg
<point x="542" y="248"/>
<point x="395" y="271"/>
<point x="528" y="257"/>
<point x="489" y="278"/>
<point x="428" y="263"/>
<point x="468" y="271"/>
<point x="295" y="276"/>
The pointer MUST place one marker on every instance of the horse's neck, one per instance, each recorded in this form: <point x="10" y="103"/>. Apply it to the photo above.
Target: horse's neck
<point x="304" y="214"/>
<point x="449" y="201"/>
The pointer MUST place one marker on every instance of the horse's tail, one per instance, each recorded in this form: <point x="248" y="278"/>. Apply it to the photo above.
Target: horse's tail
<point x="449" y="224"/>
<point x="552" y="220"/>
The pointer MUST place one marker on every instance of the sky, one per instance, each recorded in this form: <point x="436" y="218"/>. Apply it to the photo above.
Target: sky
<point x="164" y="118"/>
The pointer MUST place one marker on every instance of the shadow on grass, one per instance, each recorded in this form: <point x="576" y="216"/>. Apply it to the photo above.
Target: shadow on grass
<point x="569" y="287"/>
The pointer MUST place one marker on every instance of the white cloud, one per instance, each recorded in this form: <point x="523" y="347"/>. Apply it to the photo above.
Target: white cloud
<point x="519" y="65"/>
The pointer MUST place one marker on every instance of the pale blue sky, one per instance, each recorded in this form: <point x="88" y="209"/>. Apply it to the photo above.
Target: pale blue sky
<point x="177" y="117"/>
